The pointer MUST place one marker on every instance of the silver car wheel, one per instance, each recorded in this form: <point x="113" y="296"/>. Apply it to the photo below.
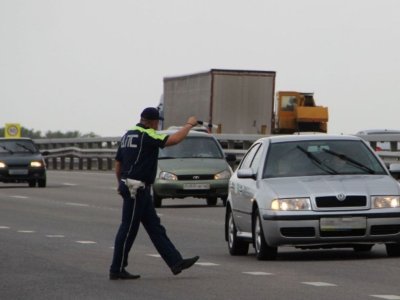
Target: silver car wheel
<point x="231" y="230"/>
<point x="236" y="245"/>
<point x="263" y="250"/>
<point x="257" y="233"/>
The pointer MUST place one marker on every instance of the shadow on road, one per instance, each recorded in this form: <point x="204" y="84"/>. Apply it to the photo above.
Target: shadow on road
<point x="189" y="206"/>
<point x="336" y="254"/>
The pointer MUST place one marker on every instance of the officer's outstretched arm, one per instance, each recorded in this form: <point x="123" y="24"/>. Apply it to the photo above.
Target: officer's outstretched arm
<point x="178" y="136"/>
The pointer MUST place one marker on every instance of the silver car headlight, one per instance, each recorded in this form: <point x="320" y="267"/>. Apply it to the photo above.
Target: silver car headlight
<point x="386" y="201"/>
<point x="291" y="204"/>
<point x="168" y="176"/>
<point x="2" y="165"/>
<point x="222" y="175"/>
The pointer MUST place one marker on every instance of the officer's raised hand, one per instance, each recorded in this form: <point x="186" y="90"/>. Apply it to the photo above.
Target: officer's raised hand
<point x="178" y="136"/>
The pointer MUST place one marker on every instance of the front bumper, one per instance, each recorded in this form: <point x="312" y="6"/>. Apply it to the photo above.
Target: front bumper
<point x="291" y="228"/>
<point x="187" y="188"/>
<point x="22" y="175"/>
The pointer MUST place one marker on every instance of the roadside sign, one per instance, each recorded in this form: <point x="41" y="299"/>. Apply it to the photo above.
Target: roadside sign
<point x="12" y="130"/>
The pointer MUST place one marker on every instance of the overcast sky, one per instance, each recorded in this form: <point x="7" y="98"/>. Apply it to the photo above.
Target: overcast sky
<point x="93" y="65"/>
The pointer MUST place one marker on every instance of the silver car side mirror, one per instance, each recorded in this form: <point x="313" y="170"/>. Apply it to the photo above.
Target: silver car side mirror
<point x="246" y="173"/>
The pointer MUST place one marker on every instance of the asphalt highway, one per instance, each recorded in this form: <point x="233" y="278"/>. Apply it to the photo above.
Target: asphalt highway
<point x="56" y="243"/>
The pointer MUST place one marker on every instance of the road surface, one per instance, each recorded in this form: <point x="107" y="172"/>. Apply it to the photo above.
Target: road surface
<point x="56" y="243"/>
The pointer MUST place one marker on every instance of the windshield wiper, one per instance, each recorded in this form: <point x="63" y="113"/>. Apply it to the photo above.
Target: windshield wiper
<point x="166" y="157"/>
<point x="25" y="147"/>
<point x="317" y="161"/>
<point x="5" y="148"/>
<point x="350" y="160"/>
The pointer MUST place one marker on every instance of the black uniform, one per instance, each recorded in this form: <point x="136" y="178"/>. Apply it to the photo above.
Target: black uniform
<point x="138" y="154"/>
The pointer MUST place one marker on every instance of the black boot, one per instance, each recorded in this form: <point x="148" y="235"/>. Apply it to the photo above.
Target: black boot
<point x="184" y="264"/>
<point x="123" y="275"/>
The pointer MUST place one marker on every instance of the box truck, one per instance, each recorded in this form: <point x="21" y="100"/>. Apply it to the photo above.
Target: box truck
<point x="239" y="102"/>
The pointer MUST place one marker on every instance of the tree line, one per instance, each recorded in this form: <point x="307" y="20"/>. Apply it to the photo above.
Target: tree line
<point x="37" y="134"/>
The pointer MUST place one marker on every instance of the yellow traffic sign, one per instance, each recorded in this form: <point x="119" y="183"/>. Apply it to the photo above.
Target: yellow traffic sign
<point x="12" y="130"/>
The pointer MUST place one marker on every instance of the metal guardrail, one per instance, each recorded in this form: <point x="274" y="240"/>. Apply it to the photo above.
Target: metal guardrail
<point x="74" y="158"/>
<point x="99" y="153"/>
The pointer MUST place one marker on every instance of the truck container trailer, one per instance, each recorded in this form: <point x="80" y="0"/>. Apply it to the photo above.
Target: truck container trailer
<point x="237" y="101"/>
<point x="240" y="102"/>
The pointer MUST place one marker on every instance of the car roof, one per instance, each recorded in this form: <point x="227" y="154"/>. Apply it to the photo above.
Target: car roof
<point x="191" y="133"/>
<point x="311" y="137"/>
<point x="378" y="131"/>
<point x="195" y="128"/>
<point x="16" y="139"/>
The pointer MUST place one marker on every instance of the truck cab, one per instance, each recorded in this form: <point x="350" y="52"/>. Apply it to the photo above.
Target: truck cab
<point x="297" y="112"/>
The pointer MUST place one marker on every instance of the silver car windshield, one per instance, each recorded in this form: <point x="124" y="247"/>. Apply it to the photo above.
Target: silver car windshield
<point x="309" y="158"/>
<point x="192" y="147"/>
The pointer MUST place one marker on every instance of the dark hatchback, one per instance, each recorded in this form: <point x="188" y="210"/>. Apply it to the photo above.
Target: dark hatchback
<point x="21" y="161"/>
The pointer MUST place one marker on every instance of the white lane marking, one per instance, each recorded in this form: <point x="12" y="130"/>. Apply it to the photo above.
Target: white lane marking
<point x="69" y="184"/>
<point x="206" y="264"/>
<point x="257" y="273"/>
<point x="317" y="283"/>
<point x="85" y="242"/>
<point x="76" y="204"/>
<point x="26" y="231"/>
<point x="4" y="227"/>
<point x="55" y="236"/>
<point x="154" y="255"/>
<point x="19" y="197"/>
<point x="389" y="297"/>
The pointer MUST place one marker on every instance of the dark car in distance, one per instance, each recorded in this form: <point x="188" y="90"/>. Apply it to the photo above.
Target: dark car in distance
<point x="21" y="161"/>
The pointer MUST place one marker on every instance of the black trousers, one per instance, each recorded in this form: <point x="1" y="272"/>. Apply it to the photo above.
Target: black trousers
<point x="135" y="211"/>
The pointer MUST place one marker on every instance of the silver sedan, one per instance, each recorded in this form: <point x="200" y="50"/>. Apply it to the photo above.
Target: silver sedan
<point x="311" y="192"/>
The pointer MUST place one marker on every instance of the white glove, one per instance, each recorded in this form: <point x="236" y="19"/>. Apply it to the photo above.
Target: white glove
<point x="133" y="185"/>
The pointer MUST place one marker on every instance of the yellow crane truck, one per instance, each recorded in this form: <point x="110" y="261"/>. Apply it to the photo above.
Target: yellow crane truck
<point x="297" y="112"/>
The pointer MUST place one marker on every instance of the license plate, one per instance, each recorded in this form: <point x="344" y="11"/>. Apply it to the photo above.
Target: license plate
<point x="343" y="223"/>
<point x="18" y="172"/>
<point x="196" y="186"/>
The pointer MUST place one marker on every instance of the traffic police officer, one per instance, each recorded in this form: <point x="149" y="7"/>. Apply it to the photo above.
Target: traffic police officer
<point x="135" y="168"/>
